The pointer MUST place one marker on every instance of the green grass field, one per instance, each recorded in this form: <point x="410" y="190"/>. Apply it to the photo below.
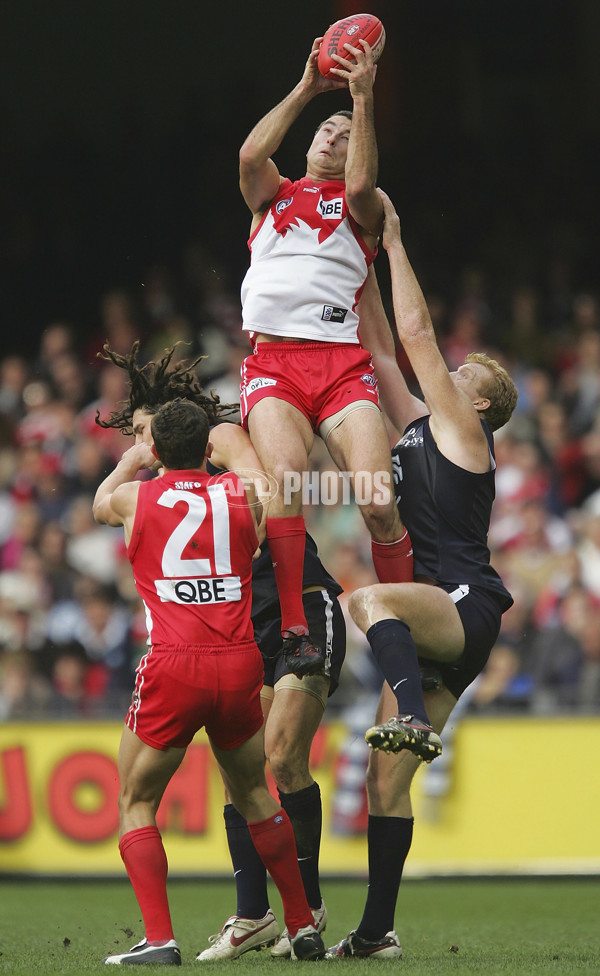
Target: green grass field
<point x="502" y="927"/>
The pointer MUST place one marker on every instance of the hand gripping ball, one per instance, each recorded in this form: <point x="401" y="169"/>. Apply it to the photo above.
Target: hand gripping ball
<point x="352" y="29"/>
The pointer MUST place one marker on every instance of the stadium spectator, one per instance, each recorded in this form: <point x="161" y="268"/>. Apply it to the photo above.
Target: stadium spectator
<point x="563" y="455"/>
<point x="506" y="682"/>
<point x="25" y="530"/>
<point x="92" y="550"/>
<point x="588" y="544"/>
<point x="579" y="385"/>
<point x="56" y="339"/>
<point x="111" y="389"/>
<point x="14" y="376"/>
<point x="52" y="548"/>
<point x="24" y="693"/>
<point x="465" y="334"/>
<point x="119" y="325"/>
<point x="526" y="344"/>
<point x="538" y="550"/>
<point x="87" y="464"/>
<point x="566" y="656"/>
<point x="47" y="420"/>
<point x="99" y="623"/>
<point x="70" y="380"/>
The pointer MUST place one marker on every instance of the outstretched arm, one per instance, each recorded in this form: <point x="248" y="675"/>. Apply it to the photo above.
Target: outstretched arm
<point x="454" y="423"/>
<point x="259" y="176"/>
<point x="398" y="402"/>
<point x="362" y="160"/>
<point x="233" y="451"/>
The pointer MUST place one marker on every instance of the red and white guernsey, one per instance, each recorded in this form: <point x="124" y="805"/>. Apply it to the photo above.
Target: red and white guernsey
<point x="308" y="266"/>
<point x="191" y="552"/>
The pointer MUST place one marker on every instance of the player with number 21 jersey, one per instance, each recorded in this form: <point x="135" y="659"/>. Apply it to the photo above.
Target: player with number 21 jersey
<point x="191" y="548"/>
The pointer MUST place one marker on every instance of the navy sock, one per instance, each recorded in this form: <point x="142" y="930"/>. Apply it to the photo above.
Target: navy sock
<point x="248" y="870"/>
<point x="306" y="815"/>
<point x="396" y="655"/>
<point x="389" y="840"/>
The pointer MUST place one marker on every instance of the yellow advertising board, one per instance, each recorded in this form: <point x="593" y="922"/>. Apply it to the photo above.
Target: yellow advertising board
<point x="522" y="795"/>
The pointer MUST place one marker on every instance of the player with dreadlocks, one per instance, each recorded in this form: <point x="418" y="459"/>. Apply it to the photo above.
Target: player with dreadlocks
<point x="157" y="383"/>
<point x="292" y="708"/>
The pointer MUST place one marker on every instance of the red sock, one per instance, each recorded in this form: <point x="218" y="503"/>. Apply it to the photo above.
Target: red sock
<point x="146" y="863"/>
<point x="287" y="539"/>
<point x="393" y="561"/>
<point x="274" y="840"/>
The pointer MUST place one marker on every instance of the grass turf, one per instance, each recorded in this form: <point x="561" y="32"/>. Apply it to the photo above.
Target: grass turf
<point x="471" y="926"/>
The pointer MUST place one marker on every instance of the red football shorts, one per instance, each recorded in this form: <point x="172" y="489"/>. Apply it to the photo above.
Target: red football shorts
<point x="181" y="689"/>
<point x="319" y="378"/>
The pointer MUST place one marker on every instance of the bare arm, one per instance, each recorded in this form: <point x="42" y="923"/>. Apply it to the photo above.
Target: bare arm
<point x="454" y="423"/>
<point x="398" y="402"/>
<point x="362" y="161"/>
<point x="233" y="450"/>
<point x="116" y="497"/>
<point x="259" y="176"/>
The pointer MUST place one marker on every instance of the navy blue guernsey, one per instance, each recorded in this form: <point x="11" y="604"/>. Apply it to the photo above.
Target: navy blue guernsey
<point x="264" y="586"/>
<point x="446" y="511"/>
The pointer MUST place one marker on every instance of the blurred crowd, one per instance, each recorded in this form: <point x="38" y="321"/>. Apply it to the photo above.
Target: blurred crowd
<point x="71" y="625"/>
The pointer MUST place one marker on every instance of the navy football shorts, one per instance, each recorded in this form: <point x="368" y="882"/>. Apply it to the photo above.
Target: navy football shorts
<point x="327" y="628"/>
<point x="480" y="612"/>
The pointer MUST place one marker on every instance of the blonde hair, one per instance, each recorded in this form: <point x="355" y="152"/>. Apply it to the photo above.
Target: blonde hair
<point x="500" y="391"/>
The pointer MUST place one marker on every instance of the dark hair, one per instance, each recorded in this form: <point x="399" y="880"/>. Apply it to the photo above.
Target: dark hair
<point x="180" y="433"/>
<point x="343" y="111"/>
<point x="156" y="383"/>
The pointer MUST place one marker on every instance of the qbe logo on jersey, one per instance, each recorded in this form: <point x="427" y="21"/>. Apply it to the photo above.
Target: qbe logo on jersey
<point x="331" y="209"/>
<point x="212" y="590"/>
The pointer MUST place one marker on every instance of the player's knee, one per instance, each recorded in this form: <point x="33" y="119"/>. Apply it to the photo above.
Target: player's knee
<point x="283" y="770"/>
<point x="290" y="771"/>
<point x="121" y="803"/>
<point x="131" y="803"/>
<point x="288" y="475"/>
<point x="248" y="793"/>
<point x="127" y="798"/>
<point x="358" y="603"/>
<point x="285" y="779"/>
